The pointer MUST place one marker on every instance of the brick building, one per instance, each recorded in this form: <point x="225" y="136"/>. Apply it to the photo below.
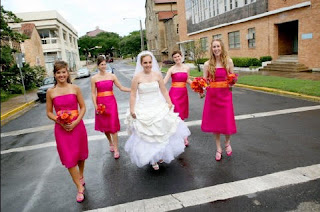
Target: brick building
<point x="58" y="37"/>
<point x="254" y="28"/>
<point x="32" y="47"/>
<point x="161" y="27"/>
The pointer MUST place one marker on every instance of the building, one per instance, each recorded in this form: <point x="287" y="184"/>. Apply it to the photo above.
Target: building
<point x="58" y="37"/>
<point x="94" y="32"/>
<point x="254" y="28"/>
<point x="32" y="47"/>
<point x="161" y="27"/>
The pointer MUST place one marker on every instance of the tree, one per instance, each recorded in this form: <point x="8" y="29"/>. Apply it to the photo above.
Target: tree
<point x="198" y="52"/>
<point x="131" y="44"/>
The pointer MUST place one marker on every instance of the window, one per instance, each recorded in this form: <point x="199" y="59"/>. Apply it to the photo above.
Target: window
<point x="251" y="38"/>
<point x="177" y="28"/>
<point x="225" y="5"/>
<point x="230" y="4"/>
<point x="217" y="36"/>
<point x="204" y="43"/>
<point x="48" y="36"/>
<point x="245" y="2"/>
<point x="234" y="39"/>
<point x="236" y="3"/>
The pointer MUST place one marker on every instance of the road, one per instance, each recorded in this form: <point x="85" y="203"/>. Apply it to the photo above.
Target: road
<point x="275" y="164"/>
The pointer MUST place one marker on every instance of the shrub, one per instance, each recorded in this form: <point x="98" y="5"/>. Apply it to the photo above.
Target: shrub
<point x="245" y="61"/>
<point x="16" y="89"/>
<point x="265" y="58"/>
<point x="202" y="60"/>
<point x="168" y="62"/>
<point x="83" y="57"/>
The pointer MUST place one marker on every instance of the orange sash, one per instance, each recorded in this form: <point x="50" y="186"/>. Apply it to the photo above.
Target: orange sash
<point x="105" y="93"/>
<point x="221" y="84"/>
<point x="178" y="84"/>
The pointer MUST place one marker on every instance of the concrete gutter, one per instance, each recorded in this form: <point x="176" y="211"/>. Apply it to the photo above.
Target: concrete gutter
<point x="16" y="110"/>
<point x="273" y="90"/>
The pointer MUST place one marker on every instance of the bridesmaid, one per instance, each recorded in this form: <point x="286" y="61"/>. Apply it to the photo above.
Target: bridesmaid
<point x="218" y="115"/>
<point x="71" y="136"/>
<point x="178" y="91"/>
<point x="102" y="93"/>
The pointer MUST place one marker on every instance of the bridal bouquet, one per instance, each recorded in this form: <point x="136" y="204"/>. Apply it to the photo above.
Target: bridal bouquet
<point x="232" y="79"/>
<point x="199" y="84"/>
<point x="101" y="109"/>
<point x="64" y="117"/>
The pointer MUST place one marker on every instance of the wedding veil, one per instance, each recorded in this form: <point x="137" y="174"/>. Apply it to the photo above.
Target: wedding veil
<point x="139" y="68"/>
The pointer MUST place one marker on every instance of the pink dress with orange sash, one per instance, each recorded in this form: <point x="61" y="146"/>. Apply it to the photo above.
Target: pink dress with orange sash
<point x="72" y="146"/>
<point x="179" y="94"/>
<point x="218" y="115"/>
<point x="108" y="122"/>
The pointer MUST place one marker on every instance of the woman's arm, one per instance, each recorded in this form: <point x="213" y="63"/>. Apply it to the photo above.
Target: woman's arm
<point x="49" y="106"/>
<point x="231" y="66"/>
<point x="82" y="106"/>
<point x="205" y="69"/>
<point x="134" y="87"/>
<point x="164" y="91"/>
<point x="118" y="84"/>
<point x="189" y="81"/>
<point x="168" y="75"/>
<point x="94" y="92"/>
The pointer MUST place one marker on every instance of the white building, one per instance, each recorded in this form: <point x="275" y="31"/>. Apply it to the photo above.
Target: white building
<point x="59" y="38"/>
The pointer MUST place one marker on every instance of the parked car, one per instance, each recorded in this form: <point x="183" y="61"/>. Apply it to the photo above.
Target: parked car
<point x="83" y="72"/>
<point x="110" y="60"/>
<point x="47" y="83"/>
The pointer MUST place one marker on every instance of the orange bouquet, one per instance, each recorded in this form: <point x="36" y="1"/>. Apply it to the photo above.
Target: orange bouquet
<point x="199" y="84"/>
<point x="64" y="117"/>
<point x="232" y="78"/>
<point x="101" y="109"/>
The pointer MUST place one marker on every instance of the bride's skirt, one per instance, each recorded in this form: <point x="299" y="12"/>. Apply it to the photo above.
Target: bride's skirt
<point x="156" y="134"/>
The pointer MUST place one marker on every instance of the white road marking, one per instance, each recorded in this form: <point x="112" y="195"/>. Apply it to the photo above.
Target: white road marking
<point x="124" y="133"/>
<point x="219" y="192"/>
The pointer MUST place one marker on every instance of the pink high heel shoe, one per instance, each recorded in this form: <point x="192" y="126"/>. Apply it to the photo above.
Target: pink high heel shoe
<point x="116" y="155"/>
<point x="80" y="196"/>
<point x="218" y="155"/>
<point x="111" y="148"/>
<point x="186" y="142"/>
<point x="228" y="150"/>
<point x="82" y="181"/>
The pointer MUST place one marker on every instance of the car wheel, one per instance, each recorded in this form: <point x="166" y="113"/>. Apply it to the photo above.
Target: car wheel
<point x="42" y="100"/>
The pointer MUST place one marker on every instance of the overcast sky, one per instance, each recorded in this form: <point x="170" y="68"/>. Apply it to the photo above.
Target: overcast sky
<point x="85" y="15"/>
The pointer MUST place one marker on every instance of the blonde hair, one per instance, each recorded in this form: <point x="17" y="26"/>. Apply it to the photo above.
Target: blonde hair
<point x="213" y="62"/>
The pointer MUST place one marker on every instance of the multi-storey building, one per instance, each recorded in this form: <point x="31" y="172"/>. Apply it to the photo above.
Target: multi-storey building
<point x="161" y="27"/>
<point x="58" y="37"/>
<point x="254" y="28"/>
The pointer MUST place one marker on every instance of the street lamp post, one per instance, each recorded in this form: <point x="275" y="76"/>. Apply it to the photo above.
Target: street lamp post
<point x="141" y="32"/>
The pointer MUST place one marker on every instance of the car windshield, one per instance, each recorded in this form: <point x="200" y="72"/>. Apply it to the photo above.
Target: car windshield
<point x="83" y="69"/>
<point x="48" y="81"/>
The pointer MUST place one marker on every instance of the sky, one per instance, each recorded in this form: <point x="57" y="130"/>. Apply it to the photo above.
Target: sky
<point x="86" y="15"/>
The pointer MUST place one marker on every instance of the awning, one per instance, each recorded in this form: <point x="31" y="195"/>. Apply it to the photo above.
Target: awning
<point x="186" y="41"/>
<point x="165" y="50"/>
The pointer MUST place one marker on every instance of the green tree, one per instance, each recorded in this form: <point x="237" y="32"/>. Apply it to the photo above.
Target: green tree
<point x="131" y="44"/>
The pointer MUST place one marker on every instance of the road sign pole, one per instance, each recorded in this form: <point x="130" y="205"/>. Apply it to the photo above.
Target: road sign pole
<point x="19" y="64"/>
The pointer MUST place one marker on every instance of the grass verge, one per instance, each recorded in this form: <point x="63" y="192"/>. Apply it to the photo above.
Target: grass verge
<point x="308" y="87"/>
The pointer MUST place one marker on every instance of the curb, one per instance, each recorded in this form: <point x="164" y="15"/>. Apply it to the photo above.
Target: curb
<point x="12" y="112"/>
<point x="273" y="90"/>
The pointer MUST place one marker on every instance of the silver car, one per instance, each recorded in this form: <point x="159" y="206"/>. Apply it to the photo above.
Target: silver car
<point x="83" y="72"/>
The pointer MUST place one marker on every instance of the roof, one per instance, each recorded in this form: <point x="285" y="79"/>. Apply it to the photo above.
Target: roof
<point x="164" y="1"/>
<point x="27" y="29"/>
<point x="94" y="32"/>
<point x="164" y="15"/>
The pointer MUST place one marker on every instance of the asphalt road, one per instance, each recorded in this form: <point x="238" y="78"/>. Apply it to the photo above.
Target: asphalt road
<point x="33" y="179"/>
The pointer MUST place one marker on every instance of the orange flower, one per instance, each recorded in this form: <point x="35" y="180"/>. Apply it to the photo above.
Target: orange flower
<point x="64" y="117"/>
<point x="232" y="78"/>
<point x="101" y="109"/>
<point x="199" y="84"/>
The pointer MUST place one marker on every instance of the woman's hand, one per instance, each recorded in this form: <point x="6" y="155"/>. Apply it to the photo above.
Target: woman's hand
<point x="170" y="106"/>
<point x="202" y="95"/>
<point x="70" y="127"/>
<point x="133" y="114"/>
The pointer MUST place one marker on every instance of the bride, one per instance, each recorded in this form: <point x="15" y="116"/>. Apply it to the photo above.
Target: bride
<point x="156" y="132"/>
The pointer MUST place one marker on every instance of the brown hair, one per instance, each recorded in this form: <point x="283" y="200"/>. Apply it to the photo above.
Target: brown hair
<point x="176" y="52"/>
<point x="224" y="58"/>
<point x="143" y="56"/>
<point x="100" y="59"/>
<point x="58" y="65"/>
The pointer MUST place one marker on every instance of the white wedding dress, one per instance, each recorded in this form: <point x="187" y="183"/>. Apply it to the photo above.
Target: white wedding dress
<point x="157" y="132"/>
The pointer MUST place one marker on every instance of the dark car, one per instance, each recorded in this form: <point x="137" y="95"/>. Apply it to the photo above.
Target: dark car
<point x="110" y="60"/>
<point x="42" y="91"/>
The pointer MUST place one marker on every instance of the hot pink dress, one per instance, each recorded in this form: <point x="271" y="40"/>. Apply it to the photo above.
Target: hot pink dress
<point x="179" y="96"/>
<point x="108" y="122"/>
<point x="72" y="146"/>
<point x="218" y="115"/>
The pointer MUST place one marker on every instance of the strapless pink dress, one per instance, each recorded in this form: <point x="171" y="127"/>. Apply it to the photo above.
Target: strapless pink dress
<point x="179" y="96"/>
<point x="218" y="114"/>
<point x="108" y="122"/>
<point x="72" y="146"/>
